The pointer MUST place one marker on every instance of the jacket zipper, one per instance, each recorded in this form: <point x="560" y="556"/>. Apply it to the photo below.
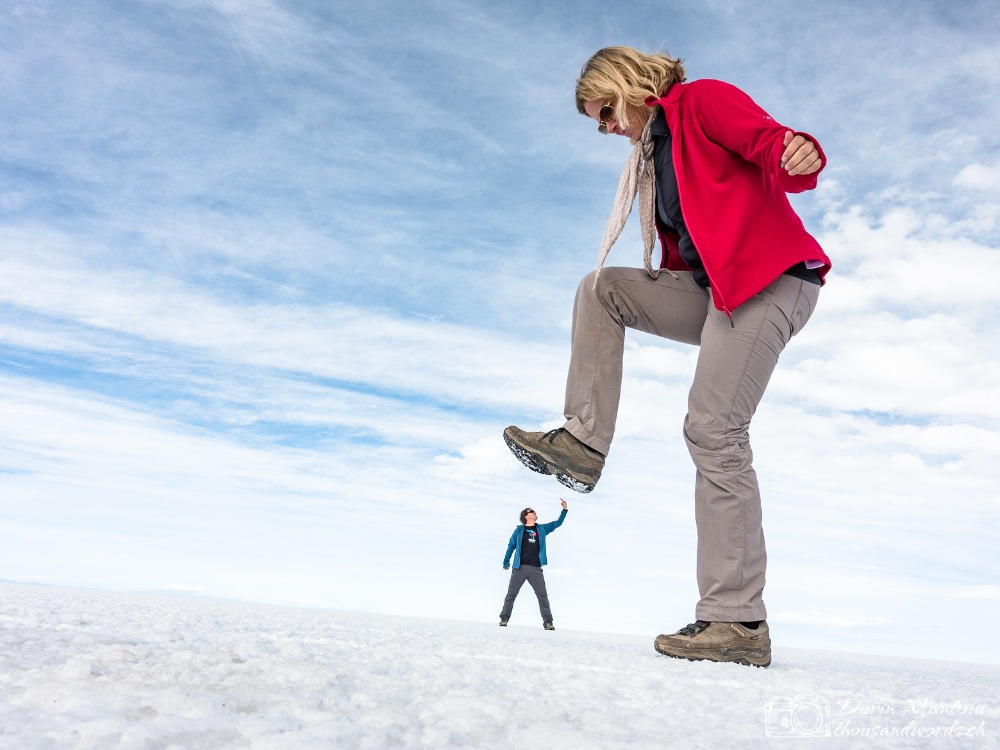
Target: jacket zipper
<point x="680" y="197"/>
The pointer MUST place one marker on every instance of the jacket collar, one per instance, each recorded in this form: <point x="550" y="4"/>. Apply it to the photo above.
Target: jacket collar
<point x="674" y="93"/>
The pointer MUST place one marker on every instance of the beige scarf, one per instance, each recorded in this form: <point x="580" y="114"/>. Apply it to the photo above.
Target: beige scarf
<point x="636" y="177"/>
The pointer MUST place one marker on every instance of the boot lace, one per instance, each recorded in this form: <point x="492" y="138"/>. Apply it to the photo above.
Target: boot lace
<point x="694" y="628"/>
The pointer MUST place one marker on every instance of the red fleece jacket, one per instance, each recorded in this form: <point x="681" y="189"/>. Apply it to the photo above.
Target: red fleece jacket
<point x="727" y="155"/>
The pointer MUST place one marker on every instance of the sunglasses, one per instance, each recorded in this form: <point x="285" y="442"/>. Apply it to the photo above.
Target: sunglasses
<point x="607" y="113"/>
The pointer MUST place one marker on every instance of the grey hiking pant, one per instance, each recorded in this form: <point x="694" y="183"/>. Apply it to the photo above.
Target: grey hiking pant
<point x="735" y="362"/>
<point x="533" y="575"/>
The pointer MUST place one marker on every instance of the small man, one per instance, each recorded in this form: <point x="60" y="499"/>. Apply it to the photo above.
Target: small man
<point x="527" y="545"/>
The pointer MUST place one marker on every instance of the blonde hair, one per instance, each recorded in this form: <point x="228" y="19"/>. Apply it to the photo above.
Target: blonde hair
<point x="625" y="77"/>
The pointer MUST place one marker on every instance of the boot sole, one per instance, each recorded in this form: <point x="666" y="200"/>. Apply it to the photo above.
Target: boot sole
<point x="541" y="465"/>
<point x="532" y="460"/>
<point x="745" y="655"/>
<point x="573" y="483"/>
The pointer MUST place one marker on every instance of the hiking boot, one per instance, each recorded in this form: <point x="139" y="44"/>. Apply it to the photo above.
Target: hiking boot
<point x="574" y="464"/>
<point x="718" y="641"/>
<point x="548" y="625"/>
<point x="503" y="622"/>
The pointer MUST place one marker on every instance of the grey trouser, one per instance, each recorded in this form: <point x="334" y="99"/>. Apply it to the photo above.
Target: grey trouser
<point x="735" y="362"/>
<point x="533" y="575"/>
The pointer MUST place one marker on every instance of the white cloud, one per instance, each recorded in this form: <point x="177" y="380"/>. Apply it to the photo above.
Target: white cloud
<point x="979" y="177"/>
<point x="979" y="592"/>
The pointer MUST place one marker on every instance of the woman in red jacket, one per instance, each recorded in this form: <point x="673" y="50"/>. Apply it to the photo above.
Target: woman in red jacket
<point x="738" y="277"/>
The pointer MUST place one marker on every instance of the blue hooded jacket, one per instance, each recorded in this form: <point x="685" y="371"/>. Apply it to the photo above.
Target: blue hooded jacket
<point x="514" y="545"/>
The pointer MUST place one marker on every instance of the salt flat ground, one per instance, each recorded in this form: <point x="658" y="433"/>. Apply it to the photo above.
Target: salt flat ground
<point x="87" y="669"/>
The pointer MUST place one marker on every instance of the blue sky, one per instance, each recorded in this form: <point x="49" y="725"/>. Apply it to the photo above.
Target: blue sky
<point x="274" y="276"/>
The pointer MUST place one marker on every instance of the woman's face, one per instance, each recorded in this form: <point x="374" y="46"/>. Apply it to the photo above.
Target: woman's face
<point x="636" y="120"/>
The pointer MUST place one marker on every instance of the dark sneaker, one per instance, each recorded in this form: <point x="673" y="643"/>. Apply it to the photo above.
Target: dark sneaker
<point x="718" y="641"/>
<point x="548" y="625"/>
<point x="503" y="622"/>
<point x="574" y="464"/>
